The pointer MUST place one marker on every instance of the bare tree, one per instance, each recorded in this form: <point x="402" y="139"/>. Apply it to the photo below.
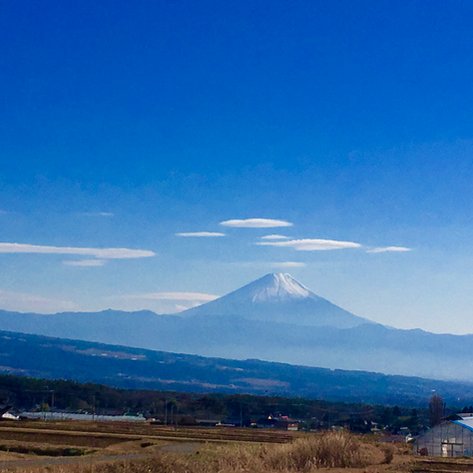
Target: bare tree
<point x="436" y="410"/>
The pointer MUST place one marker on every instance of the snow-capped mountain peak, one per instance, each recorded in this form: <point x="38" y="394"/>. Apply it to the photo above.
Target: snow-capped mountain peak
<point x="278" y="298"/>
<point x="276" y="287"/>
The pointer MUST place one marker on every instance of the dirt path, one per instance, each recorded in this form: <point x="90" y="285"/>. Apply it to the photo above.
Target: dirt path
<point x="11" y="465"/>
<point x="187" y="448"/>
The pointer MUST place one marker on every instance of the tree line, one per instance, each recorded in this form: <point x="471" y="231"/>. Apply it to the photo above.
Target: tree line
<point x="24" y="393"/>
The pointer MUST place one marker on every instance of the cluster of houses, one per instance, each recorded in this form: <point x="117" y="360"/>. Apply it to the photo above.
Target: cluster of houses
<point x="281" y="422"/>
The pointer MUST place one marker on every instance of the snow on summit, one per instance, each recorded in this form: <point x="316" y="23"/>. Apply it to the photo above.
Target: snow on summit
<point x="276" y="286"/>
<point x="278" y="298"/>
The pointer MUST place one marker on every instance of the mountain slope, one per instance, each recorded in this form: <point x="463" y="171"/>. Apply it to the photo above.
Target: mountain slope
<point x="53" y="358"/>
<point x="278" y="297"/>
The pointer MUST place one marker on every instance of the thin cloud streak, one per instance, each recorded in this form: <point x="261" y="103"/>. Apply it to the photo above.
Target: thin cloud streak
<point x="173" y="296"/>
<point x="256" y="223"/>
<point x="85" y="263"/>
<point x="275" y="237"/>
<point x="389" y="249"/>
<point x="161" y="302"/>
<point x="200" y="234"/>
<point x="96" y="214"/>
<point x="270" y="264"/>
<point x="100" y="253"/>
<point x="288" y="264"/>
<point x="312" y="244"/>
<point x="25" y="302"/>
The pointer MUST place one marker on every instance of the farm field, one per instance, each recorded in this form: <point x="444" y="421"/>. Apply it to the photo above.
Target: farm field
<point x="101" y="434"/>
<point x="41" y="444"/>
<point x="68" y="446"/>
<point x="87" y="447"/>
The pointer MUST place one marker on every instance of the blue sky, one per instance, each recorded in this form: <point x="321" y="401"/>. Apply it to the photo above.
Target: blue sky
<point x="123" y="124"/>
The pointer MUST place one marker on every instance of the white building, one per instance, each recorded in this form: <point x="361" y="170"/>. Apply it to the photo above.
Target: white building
<point x="451" y="438"/>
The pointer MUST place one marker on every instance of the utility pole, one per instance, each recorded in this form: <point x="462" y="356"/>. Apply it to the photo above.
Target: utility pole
<point x="52" y="402"/>
<point x="42" y="405"/>
<point x="94" y="407"/>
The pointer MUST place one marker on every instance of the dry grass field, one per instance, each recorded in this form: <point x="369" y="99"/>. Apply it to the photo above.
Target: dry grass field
<point x="73" y="447"/>
<point x="109" y="431"/>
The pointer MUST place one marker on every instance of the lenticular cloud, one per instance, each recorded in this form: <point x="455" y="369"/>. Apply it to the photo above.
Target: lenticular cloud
<point x="312" y="244"/>
<point x="101" y="253"/>
<point x="256" y="223"/>
<point x="200" y="234"/>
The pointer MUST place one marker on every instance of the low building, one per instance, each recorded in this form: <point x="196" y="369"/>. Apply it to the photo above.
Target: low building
<point x="451" y="438"/>
<point x="207" y="422"/>
<point x="5" y="414"/>
<point x="277" y="422"/>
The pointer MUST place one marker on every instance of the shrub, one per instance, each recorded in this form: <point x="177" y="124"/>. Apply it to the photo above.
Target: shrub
<point x="332" y="450"/>
<point x="388" y="451"/>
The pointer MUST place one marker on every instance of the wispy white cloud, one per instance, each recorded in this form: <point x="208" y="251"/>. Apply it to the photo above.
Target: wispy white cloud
<point x="25" y="302"/>
<point x="312" y="244"/>
<point x="288" y="264"/>
<point x="97" y="214"/>
<point x="256" y="223"/>
<point x="162" y="302"/>
<point x="173" y="296"/>
<point x="85" y="262"/>
<point x="264" y="265"/>
<point x="200" y="234"/>
<point x="389" y="249"/>
<point x="275" y="236"/>
<point x="181" y="307"/>
<point x="101" y="253"/>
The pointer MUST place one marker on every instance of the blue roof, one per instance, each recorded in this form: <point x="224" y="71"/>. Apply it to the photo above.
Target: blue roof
<point x="466" y="422"/>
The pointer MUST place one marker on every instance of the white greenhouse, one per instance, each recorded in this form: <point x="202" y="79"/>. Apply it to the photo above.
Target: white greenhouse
<point x="451" y="438"/>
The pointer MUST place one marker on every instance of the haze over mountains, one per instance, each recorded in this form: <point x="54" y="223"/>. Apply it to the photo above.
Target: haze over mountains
<point x="274" y="318"/>
<point x="134" y="368"/>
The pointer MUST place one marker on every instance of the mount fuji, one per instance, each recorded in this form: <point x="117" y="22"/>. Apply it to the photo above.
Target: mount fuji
<point x="274" y="318"/>
<point x="279" y="298"/>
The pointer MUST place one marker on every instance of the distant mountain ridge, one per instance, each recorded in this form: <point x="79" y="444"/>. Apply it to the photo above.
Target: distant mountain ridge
<point x="275" y="318"/>
<point x="135" y="368"/>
